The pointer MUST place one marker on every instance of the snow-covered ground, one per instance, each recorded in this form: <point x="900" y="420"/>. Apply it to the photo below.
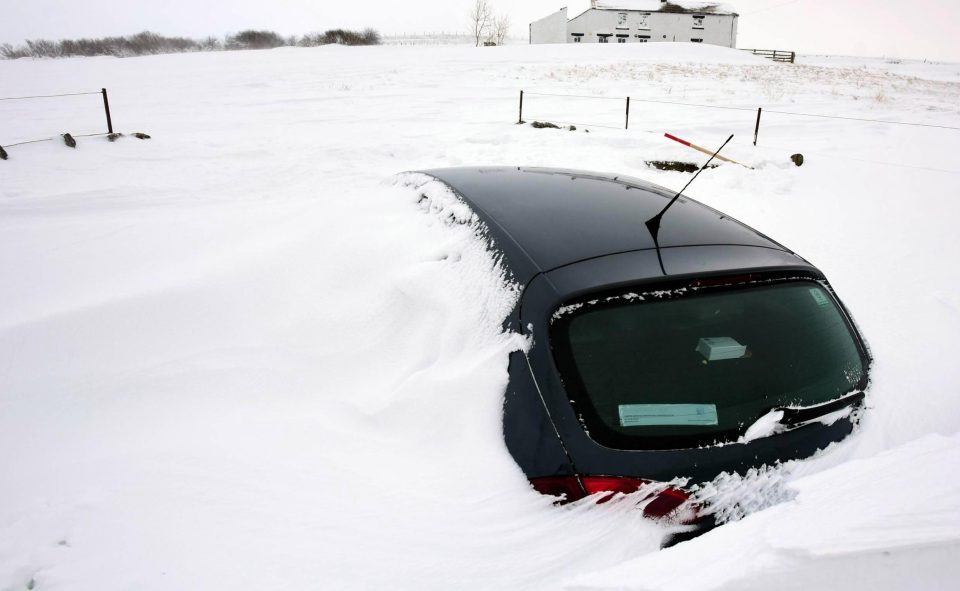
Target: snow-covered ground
<point x="239" y="356"/>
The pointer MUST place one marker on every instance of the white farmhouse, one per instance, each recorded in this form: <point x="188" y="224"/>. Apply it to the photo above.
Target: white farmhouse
<point x="640" y="21"/>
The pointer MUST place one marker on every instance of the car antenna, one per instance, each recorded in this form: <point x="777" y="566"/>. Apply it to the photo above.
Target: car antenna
<point x="653" y="224"/>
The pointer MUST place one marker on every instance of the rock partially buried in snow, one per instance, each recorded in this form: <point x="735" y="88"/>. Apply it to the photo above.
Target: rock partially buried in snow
<point x="69" y="141"/>
<point x="676" y="165"/>
<point x="141" y="136"/>
<point x="544" y="125"/>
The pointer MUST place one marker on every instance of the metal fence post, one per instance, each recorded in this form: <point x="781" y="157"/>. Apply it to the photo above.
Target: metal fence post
<point x="106" y="108"/>
<point x="520" y="118"/>
<point x="627" y="122"/>
<point x="756" y="130"/>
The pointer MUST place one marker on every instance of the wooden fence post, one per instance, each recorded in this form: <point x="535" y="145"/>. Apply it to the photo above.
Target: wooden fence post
<point x="106" y="108"/>
<point x="756" y="130"/>
<point x="520" y="118"/>
<point x="627" y="123"/>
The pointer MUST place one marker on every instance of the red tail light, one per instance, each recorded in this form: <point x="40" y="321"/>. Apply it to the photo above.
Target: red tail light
<point x="665" y="501"/>
<point x="611" y="484"/>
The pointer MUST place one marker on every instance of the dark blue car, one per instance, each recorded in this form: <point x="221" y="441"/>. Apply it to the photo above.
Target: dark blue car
<point x="701" y="348"/>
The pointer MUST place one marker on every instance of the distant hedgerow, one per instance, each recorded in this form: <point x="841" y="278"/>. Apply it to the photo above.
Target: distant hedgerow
<point x="147" y="43"/>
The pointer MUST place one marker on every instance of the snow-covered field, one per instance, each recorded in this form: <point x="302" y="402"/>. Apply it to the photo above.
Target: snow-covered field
<point x="238" y="356"/>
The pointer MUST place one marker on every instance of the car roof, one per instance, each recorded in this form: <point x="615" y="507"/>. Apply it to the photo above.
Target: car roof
<point x="545" y="218"/>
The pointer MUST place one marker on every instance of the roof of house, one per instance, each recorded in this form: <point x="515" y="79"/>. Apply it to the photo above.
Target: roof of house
<point x="682" y="6"/>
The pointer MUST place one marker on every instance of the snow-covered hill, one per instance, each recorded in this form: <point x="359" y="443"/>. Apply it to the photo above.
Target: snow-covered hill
<point x="238" y="356"/>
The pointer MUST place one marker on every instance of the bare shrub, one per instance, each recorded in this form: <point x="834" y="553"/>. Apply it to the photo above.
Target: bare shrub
<point x="500" y="28"/>
<point x="43" y="48"/>
<point x="311" y="40"/>
<point x="338" y="36"/>
<point x="486" y="26"/>
<point x="370" y="37"/>
<point x="341" y="37"/>
<point x="480" y="18"/>
<point x="251" y="39"/>
<point x="10" y="52"/>
<point x="152" y="43"/>
<point x="211" y="44"/>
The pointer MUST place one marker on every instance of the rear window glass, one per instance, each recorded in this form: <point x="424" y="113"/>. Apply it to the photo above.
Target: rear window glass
<point x="672" y="370"/>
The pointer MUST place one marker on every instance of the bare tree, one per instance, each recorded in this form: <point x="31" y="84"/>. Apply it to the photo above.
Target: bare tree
<point x="481" y="19"/>
<point x="500" y="28"/>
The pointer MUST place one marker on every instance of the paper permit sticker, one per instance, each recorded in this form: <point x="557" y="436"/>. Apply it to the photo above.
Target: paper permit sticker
<point x="646" y="415"/>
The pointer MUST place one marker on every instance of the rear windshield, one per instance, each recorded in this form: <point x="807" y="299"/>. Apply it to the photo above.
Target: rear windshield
<point x="668" y="370"/>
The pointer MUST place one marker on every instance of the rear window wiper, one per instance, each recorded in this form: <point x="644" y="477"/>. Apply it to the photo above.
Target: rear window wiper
<point x="794" y="416"/>
<point x="787" y="418"/>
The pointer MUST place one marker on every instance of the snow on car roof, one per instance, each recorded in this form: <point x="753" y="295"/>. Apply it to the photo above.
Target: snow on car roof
<point x="556" y="217"/>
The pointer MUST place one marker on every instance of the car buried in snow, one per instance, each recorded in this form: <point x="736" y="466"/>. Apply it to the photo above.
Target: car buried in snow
<point x="658" y="353"/>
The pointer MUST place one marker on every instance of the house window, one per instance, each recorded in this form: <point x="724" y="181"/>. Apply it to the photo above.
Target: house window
<point x="604" y="37"/>
<point x="576" y="37"/>
<point x="642" y="38"/>
<point x="695" y="40"/>
<point x="698" y="22"/>
<point x="621" y="39"/>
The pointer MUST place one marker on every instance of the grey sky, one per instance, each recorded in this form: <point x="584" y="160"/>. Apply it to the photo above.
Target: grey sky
<point x="923" y="29"/>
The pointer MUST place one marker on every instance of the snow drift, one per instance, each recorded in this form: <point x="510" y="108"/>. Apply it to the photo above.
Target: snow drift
<point x="242" y="355"/>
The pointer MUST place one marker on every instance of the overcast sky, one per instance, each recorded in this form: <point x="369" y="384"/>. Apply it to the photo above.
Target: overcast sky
<point x="923" y="29"/>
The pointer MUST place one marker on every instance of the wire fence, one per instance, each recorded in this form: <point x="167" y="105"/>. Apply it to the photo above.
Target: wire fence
<point x="623" y="114"/>
<point x="628" y="99"/>
<point x="781" y="149"/>
<point x="586" y="96"/>
<point x="106" y="110"/>
<point x="50" y="139"/>
<point x="20" y="98"/>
